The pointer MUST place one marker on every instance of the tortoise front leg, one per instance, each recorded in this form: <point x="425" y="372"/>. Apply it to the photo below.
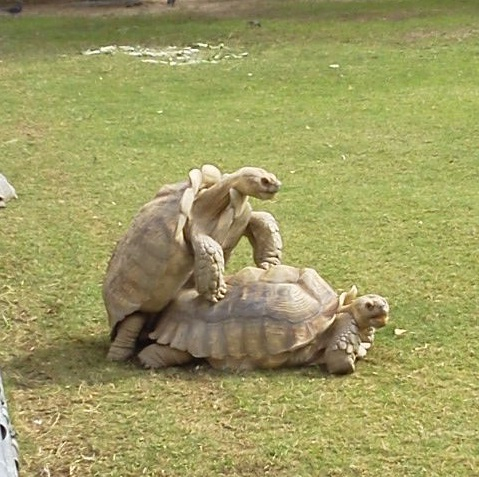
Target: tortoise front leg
<point x="338" y="361"/>
<point x="124" y="342"/>
<point x="265" y="238"/>
<point x="209" y="267"/>
<point x="160" y="356"/>
<point x="344" y="346"/>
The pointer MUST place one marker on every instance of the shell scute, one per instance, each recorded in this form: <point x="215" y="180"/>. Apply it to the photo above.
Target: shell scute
<point x="245" y="276"/>
<point x="279" y="338"/>
<point x="180" y="337"/>
<point x="282" y="274"/>
<point x="260" y="316"/>
<point x="233" y="331"/>
<point x="165" y="332"/>
<point x="215" y="340"/>
<point x="254" y="338"/>
<point x="197" y="338"/>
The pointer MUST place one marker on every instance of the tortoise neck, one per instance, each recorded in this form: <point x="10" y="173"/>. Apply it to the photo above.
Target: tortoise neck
<point x="212" y="201"/>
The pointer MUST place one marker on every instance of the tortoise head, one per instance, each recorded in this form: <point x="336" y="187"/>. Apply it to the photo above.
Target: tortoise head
<point x="255" y="182"/>
<point x="371" y="310"/>
<point x="368" y="310"/>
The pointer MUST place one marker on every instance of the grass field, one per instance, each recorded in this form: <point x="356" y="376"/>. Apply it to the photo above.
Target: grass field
<point x="379" y="159"/>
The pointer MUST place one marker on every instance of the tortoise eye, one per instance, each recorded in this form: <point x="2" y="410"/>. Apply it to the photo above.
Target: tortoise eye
<point x="264" y="181"/>
<point x="369" y="305"/>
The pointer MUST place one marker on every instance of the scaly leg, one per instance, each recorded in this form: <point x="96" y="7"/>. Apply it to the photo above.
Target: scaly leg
<point x="160" y="356"/>
<point x="123" y="344"/>
<point x="339" y="362"/>
<point x="209" y="267"/>
<point x="265" y="238"/>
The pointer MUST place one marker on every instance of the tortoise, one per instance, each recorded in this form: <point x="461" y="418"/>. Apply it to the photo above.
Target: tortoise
<point x="7" y="191"/>
<point x="189" y="228"/>
<point x="284" y="316"/>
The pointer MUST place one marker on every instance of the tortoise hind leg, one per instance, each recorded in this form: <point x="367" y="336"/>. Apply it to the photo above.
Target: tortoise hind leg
<point x="161" y="356"/>
<point x="124" y="342"/>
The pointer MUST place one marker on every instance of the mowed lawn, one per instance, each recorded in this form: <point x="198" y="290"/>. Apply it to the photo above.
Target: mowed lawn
<point x="367" y="111"/>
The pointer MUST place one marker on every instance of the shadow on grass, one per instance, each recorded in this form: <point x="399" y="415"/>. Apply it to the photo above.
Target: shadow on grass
<point x="70" y="361"/>
<point x="77" y="360"/>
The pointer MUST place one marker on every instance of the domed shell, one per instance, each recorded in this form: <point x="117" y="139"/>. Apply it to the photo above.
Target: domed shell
<point x="264" y="313"/>
<point x="144" y="257"/>
<point x="152" y="261"/>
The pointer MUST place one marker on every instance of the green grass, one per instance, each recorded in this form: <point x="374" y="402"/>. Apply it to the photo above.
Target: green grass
<point x="379" y="162"/>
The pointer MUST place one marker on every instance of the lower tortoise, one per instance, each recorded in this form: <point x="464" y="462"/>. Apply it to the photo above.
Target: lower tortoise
<point x="284" y="316"/>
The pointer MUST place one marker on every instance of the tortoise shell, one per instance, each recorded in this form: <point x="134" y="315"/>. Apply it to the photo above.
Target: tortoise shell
<point x="264" y="313"/>
<point x="148" y="266"/>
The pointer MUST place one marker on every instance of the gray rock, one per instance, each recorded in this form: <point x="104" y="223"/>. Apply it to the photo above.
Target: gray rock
<point x="7" y="191"/>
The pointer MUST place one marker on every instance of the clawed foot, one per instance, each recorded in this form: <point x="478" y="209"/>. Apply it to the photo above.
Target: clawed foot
<point x="118" y="353"/>
<point x="157" y="356"/>
<point x="271" y="262"/>
<point x="216" y="293"/>
<point x="362" y="350"/>
<point x="150" y="357"/>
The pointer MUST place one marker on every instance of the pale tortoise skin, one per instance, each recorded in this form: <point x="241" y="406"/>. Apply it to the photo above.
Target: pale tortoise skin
<point x="284" y="316"/>
<point x="187" y="231"/>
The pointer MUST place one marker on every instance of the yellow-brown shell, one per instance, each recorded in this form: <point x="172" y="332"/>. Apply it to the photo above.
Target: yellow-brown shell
<point x="152" y="261"/>
<point x="264" y="313"/>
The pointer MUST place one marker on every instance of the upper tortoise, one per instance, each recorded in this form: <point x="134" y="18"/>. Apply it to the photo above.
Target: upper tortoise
<point x="188" y="228"/>
<point x="284" y="316"/>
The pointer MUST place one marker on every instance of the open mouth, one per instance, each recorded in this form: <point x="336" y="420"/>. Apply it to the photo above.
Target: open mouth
<point x="380" y="321"/>
<point x="268" y="194"/>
